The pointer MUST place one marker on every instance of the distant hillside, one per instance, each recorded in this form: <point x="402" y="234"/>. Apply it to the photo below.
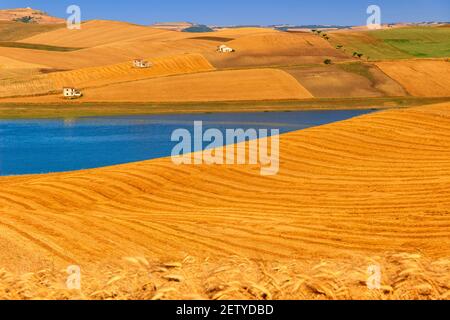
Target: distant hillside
<point x="308" y="27"/>
<point x="28" y="15"/>
<point x="182" y="26"/>
<point x="198" y="28"/>
<point x="174" y="26"/>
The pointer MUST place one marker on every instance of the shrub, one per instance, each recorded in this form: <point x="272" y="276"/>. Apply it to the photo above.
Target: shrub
<point x="26" y="19"/>
<point x="327" y="61"/>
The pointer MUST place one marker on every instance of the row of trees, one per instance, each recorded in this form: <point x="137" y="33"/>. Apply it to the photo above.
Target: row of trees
<point x="320" y="33"/>
<point x="326" y="37"/>
<point x="339" y="46"/>
<point x="356" y="54"/>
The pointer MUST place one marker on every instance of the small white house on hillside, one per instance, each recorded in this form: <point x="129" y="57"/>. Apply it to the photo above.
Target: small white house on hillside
<point x="224" y="49"/>
<point x="71" y="93"/>
<point x="139" y="63"/>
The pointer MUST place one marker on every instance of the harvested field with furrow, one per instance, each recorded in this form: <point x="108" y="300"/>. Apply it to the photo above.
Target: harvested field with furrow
<point x="369" y="190"/>
<point x="421" y="78"/>
<point x="235" y="85"/>
<point x="346" y="80"/>
<point x="105" y="43"/>
<point x="94" y="33"/>
<point x="123" y="72"/>
<point x="13" y="69"/>
<point x="276" y="48"/>
<point x="27" y="85"/>
<point x="100" y="76"/>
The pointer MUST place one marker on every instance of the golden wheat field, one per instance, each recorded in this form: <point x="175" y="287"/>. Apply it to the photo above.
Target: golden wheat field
<point x="276" y="48"/>
<point x="101" y="32"/>
<point x="101" y="43"/>
<point x="124" y="72"/>
<point x="254" y="84"/>
<point x="11" y="69"/>
<point x="177" y="79"/>
<point x="105" y="51"/>
<point x="103" y="76"/>
<point x="108" y="42"/>
<point x="423" y="78"/>
<point x="369" y="190"/>
<point x="103" y="67"/>
<point x="94" y="33"/>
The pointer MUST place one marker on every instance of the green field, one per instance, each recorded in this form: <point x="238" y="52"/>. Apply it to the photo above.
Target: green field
<point x="399" y="43"/>
<point x="358" y="68"/>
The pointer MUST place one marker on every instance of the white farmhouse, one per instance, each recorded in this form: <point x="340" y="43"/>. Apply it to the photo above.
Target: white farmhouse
<point x="224" y="49"/>
<point x="71" y="93"/>
<point x="139" y="63"/>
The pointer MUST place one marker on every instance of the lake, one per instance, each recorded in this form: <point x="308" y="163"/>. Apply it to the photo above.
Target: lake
<point x="34" y="146"/>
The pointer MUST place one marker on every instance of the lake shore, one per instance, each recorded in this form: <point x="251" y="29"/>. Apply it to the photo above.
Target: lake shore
<point x="37" y="146"/>
<point x="26" y="109"/>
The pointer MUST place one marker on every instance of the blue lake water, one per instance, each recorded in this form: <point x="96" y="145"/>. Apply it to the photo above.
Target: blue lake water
<point x="42" y="146"/>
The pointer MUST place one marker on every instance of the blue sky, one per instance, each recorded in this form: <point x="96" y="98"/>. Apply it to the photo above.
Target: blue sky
<point x="231" y="12"/>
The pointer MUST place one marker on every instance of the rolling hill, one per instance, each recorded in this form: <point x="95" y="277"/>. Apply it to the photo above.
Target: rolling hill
<point x="100" y="53"/>
<point x="102" y="76"/>
<point x="354" y="79"/>
<point x="253" y="84"/>
<point x="107" y="43"/>
<point x="29" y="15"/>
<point x="276" y="48"/>
<point x="421" y="78"/>
<point x="94" y="33"/>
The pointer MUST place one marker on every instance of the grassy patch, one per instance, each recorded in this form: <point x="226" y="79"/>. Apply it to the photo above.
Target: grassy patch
<point x="220" y="39"/>
<point x="400" y="43"/>
<point x="358" y="68"/>
<point x="80" y="109"/>
<point x="420" y="42"/>
<point x="33" y="46"/>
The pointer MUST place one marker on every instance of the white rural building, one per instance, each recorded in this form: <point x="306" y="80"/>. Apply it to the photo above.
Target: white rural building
<point x="72" y="93"/>
<point x="224" y="49"/>
<point x="139" y="63"/>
